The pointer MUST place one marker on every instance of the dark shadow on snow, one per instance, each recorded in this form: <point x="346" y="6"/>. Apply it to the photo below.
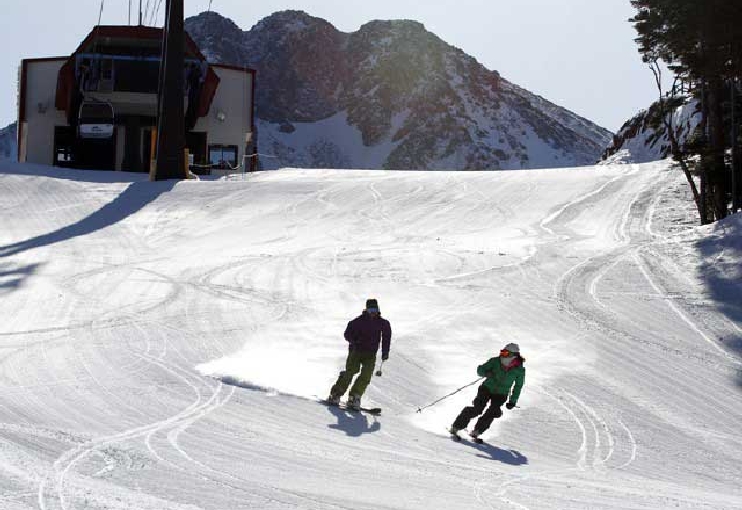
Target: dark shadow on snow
<point x="70" y="174"/>
<point x="490" y="451"/>
<point x="233" y="381"/>
<point x="12" y="276"/>
<point x="132" y="199"/>
<point x="352" y="423"/>
<point x="721" y="274"/>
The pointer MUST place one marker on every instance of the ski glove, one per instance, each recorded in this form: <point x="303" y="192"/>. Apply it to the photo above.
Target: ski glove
<point x="384" y="357"/>
<point x="510" y="405"/>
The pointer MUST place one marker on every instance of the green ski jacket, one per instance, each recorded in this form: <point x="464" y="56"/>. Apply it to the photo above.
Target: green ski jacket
<point x="499" y="380"/>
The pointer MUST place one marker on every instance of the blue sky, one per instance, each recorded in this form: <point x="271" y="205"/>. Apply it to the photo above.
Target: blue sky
<point x="579" y="54"/>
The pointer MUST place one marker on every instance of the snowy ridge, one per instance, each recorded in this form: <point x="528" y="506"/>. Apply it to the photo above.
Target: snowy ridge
<point x="644" y="138"/>
<point x="563" y="116"/>
<point x="163" y="342"/>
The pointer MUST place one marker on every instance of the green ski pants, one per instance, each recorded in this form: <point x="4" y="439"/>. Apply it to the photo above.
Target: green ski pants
<point x="363" y="361"/>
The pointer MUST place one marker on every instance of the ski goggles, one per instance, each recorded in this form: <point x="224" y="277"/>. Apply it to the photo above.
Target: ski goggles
<point x="506" y="353"/>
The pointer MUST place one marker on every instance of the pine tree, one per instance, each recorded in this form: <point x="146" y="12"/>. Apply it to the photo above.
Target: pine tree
<point x="701" y="42"/>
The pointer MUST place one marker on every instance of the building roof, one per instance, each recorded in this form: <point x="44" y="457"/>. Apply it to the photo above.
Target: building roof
<point x="120" y="36"/>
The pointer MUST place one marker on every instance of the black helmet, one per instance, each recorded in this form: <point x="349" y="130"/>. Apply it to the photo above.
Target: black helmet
<point x="372" y="306"/>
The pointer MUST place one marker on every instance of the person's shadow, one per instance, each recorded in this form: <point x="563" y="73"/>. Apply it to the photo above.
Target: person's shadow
<point x="352" y="423"/>
<point x="490" y="451"/>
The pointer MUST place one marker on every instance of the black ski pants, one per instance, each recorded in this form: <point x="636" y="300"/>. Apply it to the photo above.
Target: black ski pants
<point x="478" y="404"/>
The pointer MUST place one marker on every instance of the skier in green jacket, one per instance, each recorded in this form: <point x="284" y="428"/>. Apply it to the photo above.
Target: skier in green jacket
<point x="503" y="373"/>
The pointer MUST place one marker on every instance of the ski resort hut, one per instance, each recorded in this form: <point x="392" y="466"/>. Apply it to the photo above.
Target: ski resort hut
<point x="97" y="108"/>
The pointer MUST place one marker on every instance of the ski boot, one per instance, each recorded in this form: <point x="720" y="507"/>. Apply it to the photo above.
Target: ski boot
<point x="354" y="403"/>
<point x="454" y="433"/>
<point x="333" y="400"/>
<point x="474" y="434"/>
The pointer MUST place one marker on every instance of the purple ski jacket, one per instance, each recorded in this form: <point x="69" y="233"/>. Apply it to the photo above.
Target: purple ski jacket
<point x="365" y="332"/>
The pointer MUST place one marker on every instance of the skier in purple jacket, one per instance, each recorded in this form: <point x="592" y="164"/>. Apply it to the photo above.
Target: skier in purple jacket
<point x="363" y="334"/>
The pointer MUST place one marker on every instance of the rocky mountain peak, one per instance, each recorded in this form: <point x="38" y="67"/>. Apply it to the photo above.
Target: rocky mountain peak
<point x="213" y="19"/>
<point x="399" y="94"/>
<point x="290" y="21"/>
<point x="219" y="38"/>
<point x="397" y="26"/>
<point x="399" y="37"/>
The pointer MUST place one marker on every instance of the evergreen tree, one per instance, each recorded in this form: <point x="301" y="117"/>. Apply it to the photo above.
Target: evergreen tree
<point x="701" y="41"/>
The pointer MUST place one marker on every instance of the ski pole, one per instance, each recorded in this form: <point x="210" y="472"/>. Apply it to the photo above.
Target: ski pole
<point x="420" y="409"/>
<point x="378" y="372"/>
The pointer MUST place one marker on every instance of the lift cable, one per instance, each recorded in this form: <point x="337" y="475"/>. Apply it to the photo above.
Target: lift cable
<point x="146" y="12"/>
<point x="100" y="13"/>
<point x="156" y="12"/>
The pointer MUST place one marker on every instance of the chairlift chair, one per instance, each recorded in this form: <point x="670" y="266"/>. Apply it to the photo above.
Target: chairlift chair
<point x="95" y="120"/>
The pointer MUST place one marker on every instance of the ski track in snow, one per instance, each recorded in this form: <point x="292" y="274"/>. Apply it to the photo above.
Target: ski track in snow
<point x="167" y="357"/>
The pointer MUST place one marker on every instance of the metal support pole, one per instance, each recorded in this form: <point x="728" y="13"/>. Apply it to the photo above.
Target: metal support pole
<point x="734" y="147"/>
<point x="171" y="145"/>
<point x="735" y="153"/>
<point x="704" y="159"/>
<point x="140" y="13"/>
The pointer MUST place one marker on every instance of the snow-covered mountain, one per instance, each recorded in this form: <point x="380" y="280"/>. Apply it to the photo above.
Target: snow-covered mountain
<point x="9" y="142"/>
<point x="643" y="138"/>
<point x="390" y="95"/>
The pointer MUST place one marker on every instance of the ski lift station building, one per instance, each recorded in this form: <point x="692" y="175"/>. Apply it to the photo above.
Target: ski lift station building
<point x="97" y="108"/>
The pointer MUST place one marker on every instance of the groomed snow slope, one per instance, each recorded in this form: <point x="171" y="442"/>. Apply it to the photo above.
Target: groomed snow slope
<point x="131" y="309"/>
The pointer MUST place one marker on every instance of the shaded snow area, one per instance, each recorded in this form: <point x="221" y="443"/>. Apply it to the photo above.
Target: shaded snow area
<point x="327" y="143"/>
<point x="8" y="142"/>
<point x="162" y="343"/>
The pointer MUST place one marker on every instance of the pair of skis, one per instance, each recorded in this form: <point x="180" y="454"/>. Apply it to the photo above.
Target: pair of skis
<point x="457" y="438"/>
<point x="374" y="411"/>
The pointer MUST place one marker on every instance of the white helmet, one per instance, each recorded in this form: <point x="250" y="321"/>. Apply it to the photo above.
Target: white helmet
<point x="512" y="348"/>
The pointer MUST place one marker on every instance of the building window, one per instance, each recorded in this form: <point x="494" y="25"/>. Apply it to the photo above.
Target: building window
<point x="223" y="156"/>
